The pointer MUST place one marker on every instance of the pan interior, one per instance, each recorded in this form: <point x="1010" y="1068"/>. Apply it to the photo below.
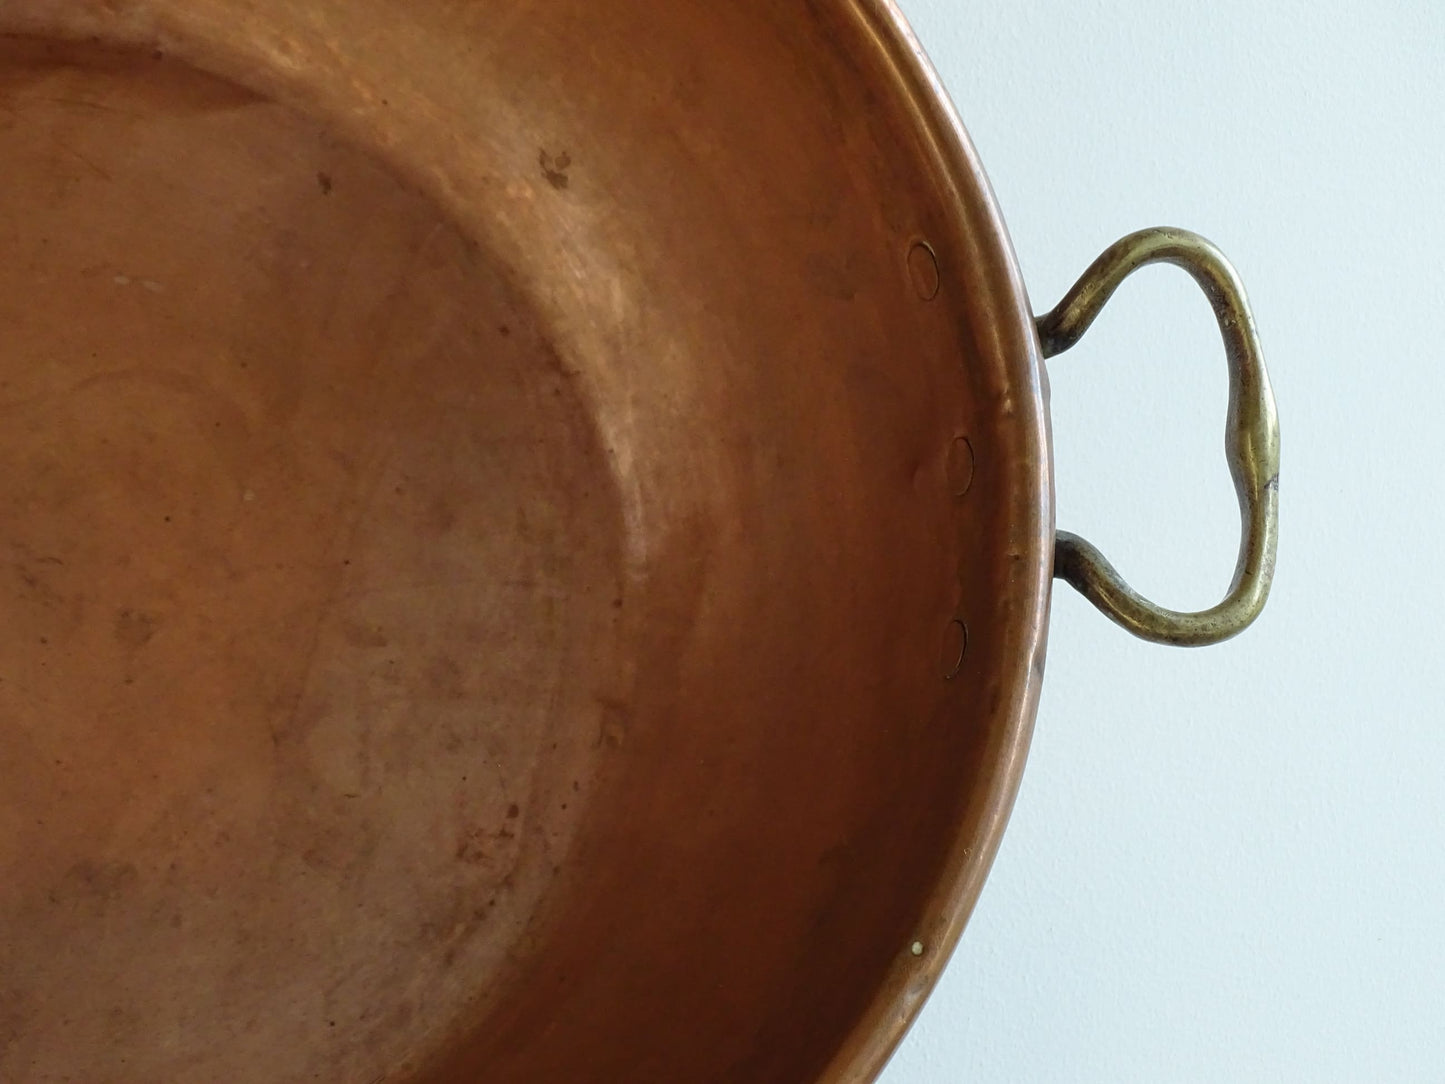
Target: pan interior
<point x="523" y="540"/>
<point x="302" y="524"/>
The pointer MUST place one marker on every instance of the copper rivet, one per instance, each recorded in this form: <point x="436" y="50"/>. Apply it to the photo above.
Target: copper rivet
<point x="960" y="466"/>
<point x="955" y="646"/>
<point x="923" y="270"/>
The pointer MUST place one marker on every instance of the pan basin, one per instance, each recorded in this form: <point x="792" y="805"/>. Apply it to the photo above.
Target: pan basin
<point x="523" y="550"/>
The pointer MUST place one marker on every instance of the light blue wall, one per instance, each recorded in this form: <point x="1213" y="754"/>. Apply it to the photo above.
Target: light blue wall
<point x="1225" y="864"/>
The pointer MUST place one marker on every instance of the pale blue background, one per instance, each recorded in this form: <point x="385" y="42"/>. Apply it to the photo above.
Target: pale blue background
<point x="1225" y="864"/>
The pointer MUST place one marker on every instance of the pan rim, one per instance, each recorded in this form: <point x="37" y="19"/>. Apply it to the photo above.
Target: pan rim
<point x="995" y="273"/>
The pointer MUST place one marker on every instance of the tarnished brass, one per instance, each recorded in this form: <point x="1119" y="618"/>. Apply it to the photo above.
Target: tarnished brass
<point x="526" y="533"/>
<point x="1251" y="441"/>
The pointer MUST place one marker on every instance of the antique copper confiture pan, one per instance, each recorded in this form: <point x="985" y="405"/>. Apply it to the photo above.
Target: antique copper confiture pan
<point x="527" y="535"/>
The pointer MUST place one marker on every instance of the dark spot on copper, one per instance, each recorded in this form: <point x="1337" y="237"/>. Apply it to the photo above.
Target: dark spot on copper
<point x="555" y="169"/>
<point x="444" y="678"/>
<point x="364" y="635"/>
<point x="440" y="515"/>
<point x="134" y="628"/>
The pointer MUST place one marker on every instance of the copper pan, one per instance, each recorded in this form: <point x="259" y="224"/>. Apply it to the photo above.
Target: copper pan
<point x="525" y="537"/>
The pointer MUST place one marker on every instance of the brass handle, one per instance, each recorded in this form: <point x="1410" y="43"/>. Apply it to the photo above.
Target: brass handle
<point x="1251" y="441"/>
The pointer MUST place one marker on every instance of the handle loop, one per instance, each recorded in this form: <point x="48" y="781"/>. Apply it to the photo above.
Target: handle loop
<point x="1251" y="441"/>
